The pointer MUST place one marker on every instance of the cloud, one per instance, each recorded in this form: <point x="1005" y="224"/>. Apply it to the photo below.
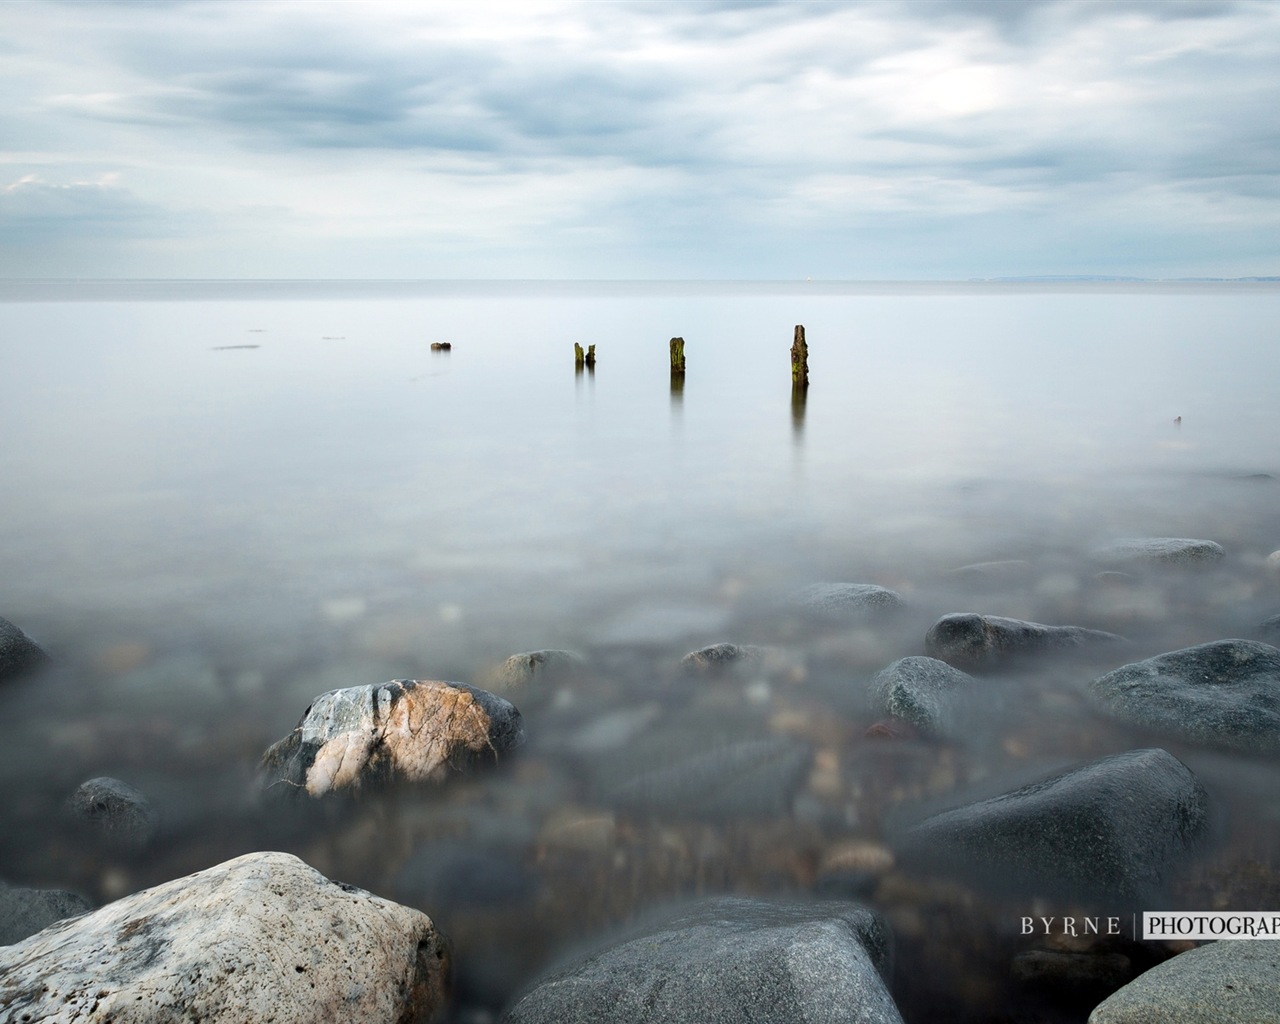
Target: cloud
<point x="544" y="129"/>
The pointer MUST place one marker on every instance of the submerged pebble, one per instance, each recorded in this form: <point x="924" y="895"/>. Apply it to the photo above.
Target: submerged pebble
<point x="24" y="912"/>
<point x="115" y="812"/>
<point x="919" y="690"/>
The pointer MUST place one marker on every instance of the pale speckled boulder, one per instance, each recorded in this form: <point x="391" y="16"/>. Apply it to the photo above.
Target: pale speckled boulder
<point x="1221" y="983"/>
<point x="263" y="938"/>
<point x="406" y="730"/>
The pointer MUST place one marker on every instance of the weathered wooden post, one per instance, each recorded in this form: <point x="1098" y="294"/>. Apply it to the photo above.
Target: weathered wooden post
<point x="677" y="356"/>
<point x="799" y="359"/>
<point x="677" y="368"/>
<point x="579" y="357"/>
<point x="799" y="380"/>
<point x="591" y="358"/>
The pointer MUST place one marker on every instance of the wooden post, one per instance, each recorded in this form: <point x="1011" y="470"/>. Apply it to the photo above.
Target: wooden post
<point x="799" y="360"/>
<point x="677" y="356"/>
<point x="591" y="357"/>
<point x="579" y="357"/>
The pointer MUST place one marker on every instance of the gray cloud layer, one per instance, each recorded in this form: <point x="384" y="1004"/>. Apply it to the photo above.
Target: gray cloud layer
<point x="641" y="139"/>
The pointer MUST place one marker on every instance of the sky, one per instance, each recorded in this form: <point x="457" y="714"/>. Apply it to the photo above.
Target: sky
<point x="640" y="139"/>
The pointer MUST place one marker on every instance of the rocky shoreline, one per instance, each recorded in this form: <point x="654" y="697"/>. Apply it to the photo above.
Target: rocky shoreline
<point x="791" y="831"/>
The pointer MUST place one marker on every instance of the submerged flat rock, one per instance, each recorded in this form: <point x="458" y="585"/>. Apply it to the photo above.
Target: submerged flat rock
<point x="1227" y="982"/>
<point x="727" y="959"/>
<point x="519" y="670"/>
<point x="1156" y="551"/>
<point x="967" y="639"/>
<point x="1225" y="693"/>
<point x="263" y="937"/>
<point x="18" y="652"/>
<point x="24" y="912"/>
<point x="919" y="690"/>
<point x="848" y="599"/>
<point x="406" y="730"/>
<point x="1111" y="828"/>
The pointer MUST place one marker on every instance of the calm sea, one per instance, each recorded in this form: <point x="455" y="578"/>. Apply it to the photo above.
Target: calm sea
<point x="221" y="499"/>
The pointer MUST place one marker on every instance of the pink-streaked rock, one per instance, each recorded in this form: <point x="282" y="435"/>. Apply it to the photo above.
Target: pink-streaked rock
<point x="262" y="937"/>
<point x="406" y="730"/>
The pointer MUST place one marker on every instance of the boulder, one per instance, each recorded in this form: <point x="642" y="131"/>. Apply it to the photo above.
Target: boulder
<point x="919" y="690"/>
<point x="727" y="959"/>
<point x="1109" y="829"/>
<point x="263" y="937"/>
<point x="114" y="811"/>
<point x="844" y="600"/>
<point x="18" y="652"/>
<point x="406" y="730"/>
<point x="720" y="657"/>
<point x="971" y="640"/>
<point x="1229" y="982"/>
<point x="1159" y="551"/>
<point x="1225" y="694"/>
<point x="24" y="912"/>
<point x="520" y="670"/>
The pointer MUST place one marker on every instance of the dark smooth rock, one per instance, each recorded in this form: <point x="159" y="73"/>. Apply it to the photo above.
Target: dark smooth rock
<point x="407" y="730"/>
<point x="1156" y="551"/>
<point x="725" y="961"/>
<point x="839" y="600"/>
<point x="263" y="937"/>
<point x="971" y="640"/>
<point x="1225" y="694"/>
<point x="18" y="652"/>
<point x="919" y="690"/>
<point x="1269" y="629"/>
<point x="24" y="912"/>
<point x="1110" y="829"/>
<point x="1228" y="982"/>
<point x="115" y="811"/>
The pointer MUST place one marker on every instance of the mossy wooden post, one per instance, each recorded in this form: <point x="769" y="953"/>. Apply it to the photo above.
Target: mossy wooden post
<point x="799" y="360"/>
<point x="591" y="357"/>
<point x="677" y="367"/>
<point x="579" y="357"/>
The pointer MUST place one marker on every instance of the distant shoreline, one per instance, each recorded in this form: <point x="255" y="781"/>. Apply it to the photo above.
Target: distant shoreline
<point x="184" y="289"/>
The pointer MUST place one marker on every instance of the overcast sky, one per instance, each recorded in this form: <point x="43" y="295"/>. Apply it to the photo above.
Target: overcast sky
<point x="916" y="139"/>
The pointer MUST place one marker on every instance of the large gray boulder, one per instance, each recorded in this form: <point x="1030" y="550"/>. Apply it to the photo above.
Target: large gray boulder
<point x="1225" y="694"/>
<point x="1159" y="551"/>
<point x="18" y="652"/>
<point x="263" y="937"/>
<point x="1230" y="982"/>
<point x="24" y="912"/>
<point x="724" y="961"/>
<point x="968" y="640"/>
<point x="407" y="730"/>
<point x="1111" y="829"/>
<point x="919" y="690"/>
